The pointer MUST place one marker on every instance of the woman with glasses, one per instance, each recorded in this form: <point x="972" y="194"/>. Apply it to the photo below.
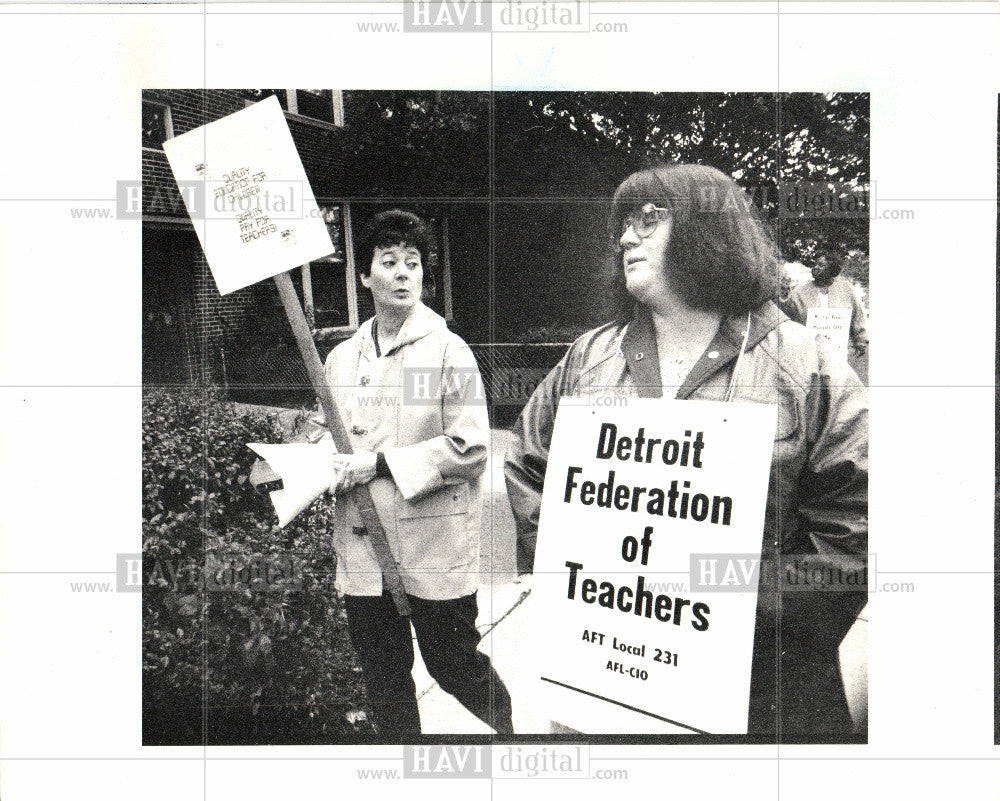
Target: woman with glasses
<point x="694" y="279"/>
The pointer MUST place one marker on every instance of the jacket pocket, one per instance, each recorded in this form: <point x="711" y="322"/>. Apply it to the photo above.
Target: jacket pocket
<point x="450" y="500"/>
<point x="434" y="531"/>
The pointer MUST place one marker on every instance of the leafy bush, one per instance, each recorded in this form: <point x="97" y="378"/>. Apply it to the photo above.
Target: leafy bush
<point x="246" y="664"/>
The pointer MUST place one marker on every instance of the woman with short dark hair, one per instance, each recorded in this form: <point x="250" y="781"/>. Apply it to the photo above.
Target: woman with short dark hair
<point x="422" y="458"/>
<point x="695" y="275"/>
<point x="388" y="228"/>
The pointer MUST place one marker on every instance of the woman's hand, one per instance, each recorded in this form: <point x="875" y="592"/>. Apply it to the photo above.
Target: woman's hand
<point x="352" y="469"/>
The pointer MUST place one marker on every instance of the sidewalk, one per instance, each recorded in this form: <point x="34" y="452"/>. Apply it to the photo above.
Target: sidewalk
<point x="500" y="606"/>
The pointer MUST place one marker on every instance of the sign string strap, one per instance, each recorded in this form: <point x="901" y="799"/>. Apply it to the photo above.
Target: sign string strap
<point x="731" y="392"/>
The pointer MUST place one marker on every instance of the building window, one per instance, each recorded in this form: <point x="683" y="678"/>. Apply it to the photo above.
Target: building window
<point x="156" y="125"/>
<point x="329" y="291"/>
<point x="322" y="106"/>
<point x="437" y="272"/>
<point x="325" y="105"/>
<point x="256" y="95"/>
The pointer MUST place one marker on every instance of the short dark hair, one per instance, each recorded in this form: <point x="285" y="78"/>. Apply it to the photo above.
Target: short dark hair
<point x="719" y="255"/>
<point x="388" y="228"/>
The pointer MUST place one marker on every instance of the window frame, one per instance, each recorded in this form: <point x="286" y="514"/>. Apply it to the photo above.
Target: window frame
<point x="350" y="273"/>
<point x="336" y="99"/>
<point x="449" y="311"/>
<point x="168" y="122"/>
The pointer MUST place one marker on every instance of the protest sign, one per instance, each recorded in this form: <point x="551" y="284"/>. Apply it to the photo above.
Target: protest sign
<point x="625" y="639"/>
<point x="833" y="326"/>
<point x="254" y="213"/>
<point x="252" y="178"/>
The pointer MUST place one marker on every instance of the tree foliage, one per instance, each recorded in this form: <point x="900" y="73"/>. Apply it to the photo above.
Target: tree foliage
<point x="416" y="144"/>
<point x="581" y="144"/>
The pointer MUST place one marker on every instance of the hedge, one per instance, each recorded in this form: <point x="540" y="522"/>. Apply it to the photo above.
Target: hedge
<point x="249" y="664"/>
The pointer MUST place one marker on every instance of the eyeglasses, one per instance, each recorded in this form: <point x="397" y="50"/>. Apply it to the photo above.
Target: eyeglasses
<point x="644" y="222"/>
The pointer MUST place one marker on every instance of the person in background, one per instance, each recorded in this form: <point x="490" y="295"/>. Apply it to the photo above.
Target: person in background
<point x="694" y="281"/>
<point x="785" y="286"/>
<point x="422" y="459"/>
<point x="828" y="290"/>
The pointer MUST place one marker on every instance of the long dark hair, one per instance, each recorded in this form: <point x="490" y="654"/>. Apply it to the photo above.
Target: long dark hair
<point x="719" y="256"/>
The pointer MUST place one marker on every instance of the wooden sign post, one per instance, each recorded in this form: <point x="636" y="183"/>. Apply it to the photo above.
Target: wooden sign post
<point x="362" y="497"/>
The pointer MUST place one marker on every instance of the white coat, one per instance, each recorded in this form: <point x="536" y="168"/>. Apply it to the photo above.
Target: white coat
<point x="422" y="404"/>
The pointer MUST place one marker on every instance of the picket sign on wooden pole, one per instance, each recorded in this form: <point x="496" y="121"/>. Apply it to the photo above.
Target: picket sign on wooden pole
<point x="362" y="497"/>
<point x="249" y="148"/>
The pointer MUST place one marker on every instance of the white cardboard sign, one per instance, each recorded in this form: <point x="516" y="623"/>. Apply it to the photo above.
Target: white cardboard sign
<point x="832" y="325"/>
<point x="305" y="469"/>
<point x="247" y="194"/>
<point x="623" y="642"/>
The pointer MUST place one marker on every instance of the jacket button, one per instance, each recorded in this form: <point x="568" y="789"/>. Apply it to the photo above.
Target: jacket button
<point x="638" y="356"/>
<point x="713" y="354"/>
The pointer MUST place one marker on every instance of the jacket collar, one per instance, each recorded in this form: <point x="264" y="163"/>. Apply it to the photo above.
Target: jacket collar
<point x="421" y="322"/>
<point x="642" y="360"/>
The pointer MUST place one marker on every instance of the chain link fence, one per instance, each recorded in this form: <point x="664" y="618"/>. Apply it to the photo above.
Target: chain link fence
<point x="511" y="371"/>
